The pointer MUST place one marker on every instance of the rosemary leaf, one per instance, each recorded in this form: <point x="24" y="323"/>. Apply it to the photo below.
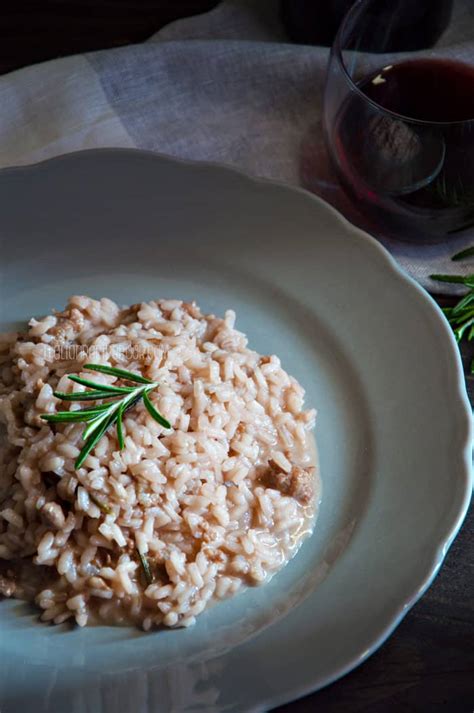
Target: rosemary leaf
<point x="459" y="331"/>
<point x="462" y="304"/>
<point x="92" y="441"/>
<point x="69" y="416"/>
<point x="97" y="408"/>
<point x="96" y="423"/>
<point x="119" y="373"/>
<point x="153" y="412"/>
<point x="451" y="278"/>
<point x="132" y="403"/>
<point x="113" y="390"/>
<point x="146" y="567"/>
<point x="120" y="439"/>
<point x="82" y="395"/>
<point x="468" y="252"/>
<point x="459" y="318"/>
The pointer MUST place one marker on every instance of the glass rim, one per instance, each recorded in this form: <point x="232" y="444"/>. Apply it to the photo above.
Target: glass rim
<point x="337" y="49"/>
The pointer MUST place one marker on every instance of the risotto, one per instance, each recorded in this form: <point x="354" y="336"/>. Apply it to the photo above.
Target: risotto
<point x="154" y="532"/>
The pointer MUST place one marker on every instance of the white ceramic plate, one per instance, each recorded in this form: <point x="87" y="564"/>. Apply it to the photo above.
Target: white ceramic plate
<point x="377" y="360"/>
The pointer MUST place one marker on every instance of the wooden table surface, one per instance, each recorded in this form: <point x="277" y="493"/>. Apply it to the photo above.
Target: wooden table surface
<point x="427" y="665"/>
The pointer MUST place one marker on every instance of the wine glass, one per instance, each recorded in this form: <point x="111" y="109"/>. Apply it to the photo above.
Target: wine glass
<point x="399" y="115"/>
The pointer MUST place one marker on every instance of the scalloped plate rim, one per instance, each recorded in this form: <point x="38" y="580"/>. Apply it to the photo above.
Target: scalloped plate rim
<point x="445" y="540"/>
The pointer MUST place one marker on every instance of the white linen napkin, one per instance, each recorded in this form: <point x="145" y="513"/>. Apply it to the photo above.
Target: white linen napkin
<point x="223" y="86"/>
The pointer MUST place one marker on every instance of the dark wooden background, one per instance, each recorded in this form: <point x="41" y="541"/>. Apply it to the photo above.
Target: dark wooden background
<point x="427" y="665"/>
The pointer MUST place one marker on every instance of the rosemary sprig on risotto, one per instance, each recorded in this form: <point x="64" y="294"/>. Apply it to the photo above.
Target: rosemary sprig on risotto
<point x="101" y="417"/>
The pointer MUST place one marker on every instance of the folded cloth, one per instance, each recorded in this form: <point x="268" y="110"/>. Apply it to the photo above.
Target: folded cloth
<point x="223" y="86"/>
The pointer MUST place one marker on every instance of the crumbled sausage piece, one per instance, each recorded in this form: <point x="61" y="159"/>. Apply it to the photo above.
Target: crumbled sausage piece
<point x="277" y="478"/>
<point x="7" y="586"/>
<point x="298" y="483"/>
<point x="53" y="515"/>
<point x="302" y="484"/>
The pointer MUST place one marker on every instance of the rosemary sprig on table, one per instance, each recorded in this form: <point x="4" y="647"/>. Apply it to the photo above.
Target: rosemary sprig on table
<point x="101" y="416"/>
<point x="468" y="252"/>
<point x="461" y="316"/>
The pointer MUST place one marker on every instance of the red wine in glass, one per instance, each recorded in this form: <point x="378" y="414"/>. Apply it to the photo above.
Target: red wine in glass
<point x="404" y="141"/>
<point x="424" y="89"/>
